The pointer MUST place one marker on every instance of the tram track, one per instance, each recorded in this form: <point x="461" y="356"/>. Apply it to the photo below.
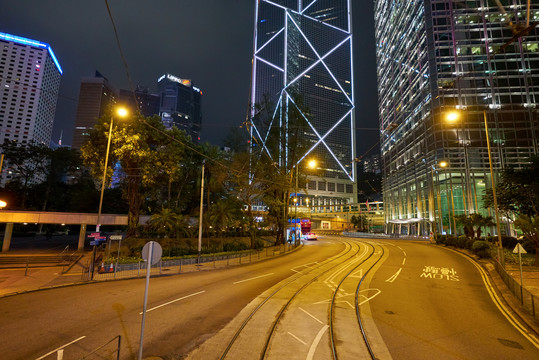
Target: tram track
<point x="333" y="261"/>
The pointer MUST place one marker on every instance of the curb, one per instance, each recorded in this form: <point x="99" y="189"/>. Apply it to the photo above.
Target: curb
<point x="131" y="277"/>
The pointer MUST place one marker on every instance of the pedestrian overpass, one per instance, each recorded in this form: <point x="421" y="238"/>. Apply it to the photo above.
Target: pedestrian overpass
<point x="11" y="217"/>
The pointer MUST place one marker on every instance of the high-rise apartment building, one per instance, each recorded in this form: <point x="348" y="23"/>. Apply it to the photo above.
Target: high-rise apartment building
<point x="29" y="84"/>
<point x="302" y="70"/>
<point x="439" y="56"/>
<point x="95" y="96"/>
<point x="180" y="105"/>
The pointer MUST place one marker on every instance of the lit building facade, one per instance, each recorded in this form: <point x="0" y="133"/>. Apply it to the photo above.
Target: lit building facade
<point x="439" y="56"/>
<point x="146" y="102"/>
<point x="302" y="77"/>
<point x="96" y="95"/>
<point x="180" y="105"/>
<point x="29" y="84"/>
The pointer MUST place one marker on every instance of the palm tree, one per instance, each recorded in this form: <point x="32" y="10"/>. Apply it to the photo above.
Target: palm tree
<point x="221" y="215"/>
<point x="467" y="224"/>
<point x="164" y="222"/>
<point x="480" y="221"/>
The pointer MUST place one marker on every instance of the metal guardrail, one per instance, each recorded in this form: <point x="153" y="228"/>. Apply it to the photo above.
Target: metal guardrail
<point x="382" y="236"/>
<point x="528" y="301"/>
<point x="107" y="271"/>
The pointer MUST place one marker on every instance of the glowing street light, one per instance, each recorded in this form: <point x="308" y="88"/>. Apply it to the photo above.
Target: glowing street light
<point x="454" y="116"/>
<point x="3" y="204"/>
<point x="121" y="112"/>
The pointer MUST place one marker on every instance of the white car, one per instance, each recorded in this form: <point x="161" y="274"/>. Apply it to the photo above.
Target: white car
<point x="310" y="236"/>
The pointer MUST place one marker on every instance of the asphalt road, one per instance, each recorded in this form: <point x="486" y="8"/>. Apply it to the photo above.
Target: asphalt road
<point x="183" y="310"/>
<point x="418" y="301"/>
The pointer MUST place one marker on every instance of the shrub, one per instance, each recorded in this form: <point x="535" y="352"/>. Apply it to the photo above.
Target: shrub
<point x="451" y="240"/>
<point x="462" y="241"/>
<point x="469" y="243"/>
<point x="481" y="248"/>
<point x="440" y="239"/>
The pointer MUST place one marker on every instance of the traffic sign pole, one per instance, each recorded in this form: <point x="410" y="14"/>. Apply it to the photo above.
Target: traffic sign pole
<point x="148" y="269"/>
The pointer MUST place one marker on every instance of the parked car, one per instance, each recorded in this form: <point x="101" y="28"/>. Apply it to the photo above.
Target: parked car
<point x="310" y="236"/>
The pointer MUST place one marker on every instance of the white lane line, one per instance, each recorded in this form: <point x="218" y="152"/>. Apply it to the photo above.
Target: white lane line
<point x="60" y="348"/>
<point x="311" y="315"/>
<point x="254" y="278"/>
<point x="403" y="261"/>
<point x="404" y="252"/>
<point x="394" y="276"/>
<point x="173" y="301"/>
<point x="316" y="340"/>
<point x="297" y="338"/>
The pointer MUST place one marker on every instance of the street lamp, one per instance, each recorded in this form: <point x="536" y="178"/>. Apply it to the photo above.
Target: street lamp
<point x="454" y="116"/>
<point x="121" y="112"/>
<point x="3" y="204"/>
<point x="310" y="164"/>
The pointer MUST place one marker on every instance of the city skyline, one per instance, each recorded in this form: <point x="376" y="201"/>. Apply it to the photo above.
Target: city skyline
<point x="197" y="43"/>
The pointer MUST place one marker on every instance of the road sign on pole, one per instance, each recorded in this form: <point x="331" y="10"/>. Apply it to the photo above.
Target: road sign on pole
<point x="151" y="253"/>
<point x="520" y="250"/>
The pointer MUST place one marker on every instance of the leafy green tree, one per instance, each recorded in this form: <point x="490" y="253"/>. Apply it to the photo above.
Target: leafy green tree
<point x="244" y="182"/>
<point x="27" y="164"/>
<point x="517" y="191"/>
<point x="530" y="227"/>
<point x="133" y="145"/>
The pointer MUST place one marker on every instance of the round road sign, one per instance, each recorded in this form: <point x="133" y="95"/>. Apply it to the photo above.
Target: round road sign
<point x="156" y="252"/>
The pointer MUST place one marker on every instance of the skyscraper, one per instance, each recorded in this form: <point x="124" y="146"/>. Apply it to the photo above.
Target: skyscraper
<point x="95" y="96"/>
<point x="180" y="105"/>
<point x="438" y="56"/>
<point x="302" y="70"/>
<point x="29" y="84"/>
<point x="146" y="102"/>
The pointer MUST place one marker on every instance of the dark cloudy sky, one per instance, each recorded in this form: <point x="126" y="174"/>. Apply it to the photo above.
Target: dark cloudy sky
<point x="208" y="41"/>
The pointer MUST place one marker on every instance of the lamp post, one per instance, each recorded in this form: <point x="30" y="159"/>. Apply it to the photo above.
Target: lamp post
<point x="454" y="116"/>
<point x="200" y="214"/>
<point x="500" y="248"/>
<point x="310" y="164"/>
<point x="121" y="112"/>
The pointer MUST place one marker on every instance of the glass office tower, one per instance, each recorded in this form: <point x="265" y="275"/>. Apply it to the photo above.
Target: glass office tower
<point x="302" y="77"/>
<point x="437" y="56"/>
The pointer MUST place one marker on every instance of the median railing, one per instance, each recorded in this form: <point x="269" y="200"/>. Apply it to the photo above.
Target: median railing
<point x="105" y="271"/>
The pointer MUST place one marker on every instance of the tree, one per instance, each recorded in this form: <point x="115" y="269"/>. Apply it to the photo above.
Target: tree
<point x="27" y="164"/>
<point x="360" y="222"/>
<point x="517" y="191"/>
<point x="530" y="227"/>
<point x="222" y="214"/>
<point x="244" y="183"/>
<point x="133" y="146"/>
<point x="467" y="225"/>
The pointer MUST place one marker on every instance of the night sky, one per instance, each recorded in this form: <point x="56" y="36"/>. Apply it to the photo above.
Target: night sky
<point x="207" y="41"/>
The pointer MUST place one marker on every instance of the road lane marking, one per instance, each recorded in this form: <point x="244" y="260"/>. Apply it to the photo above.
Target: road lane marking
<point x="311" y="315"/>
<point x="254" y="278"/>
<point x="60" y="348"/>
<point x="316" y="340"/>
<point x="499" y="304"/>
<point x="173" y="301"/>
<point x="394" y="276"/>
<point x="297" y="338"/>
<point x="403" y="261"/>
<point x="308" y="265"/>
